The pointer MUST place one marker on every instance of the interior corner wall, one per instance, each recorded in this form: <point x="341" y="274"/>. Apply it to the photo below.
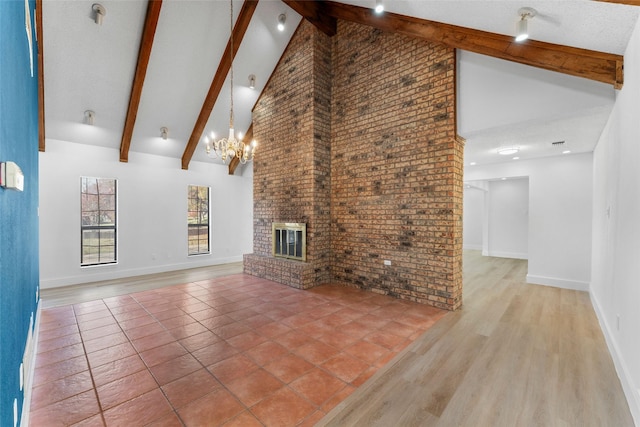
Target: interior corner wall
<point x="474" y="203"/>
<point x="18" y="210"/>
<point x="560" y="213"/>
<point x="152" y="213"/>
<point x="508" y="218"/>
<point x="615" y="290"/>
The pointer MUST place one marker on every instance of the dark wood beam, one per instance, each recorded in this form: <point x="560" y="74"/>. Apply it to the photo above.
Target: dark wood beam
<point x="313" y="11"/>
<point x="629" y="2"/>
<point x="239" y="29"/>
<point x="233" y="164"/>
<point x="598" y="66"/>
<point x="148" y="34"/>
<point x="40" y="46"/>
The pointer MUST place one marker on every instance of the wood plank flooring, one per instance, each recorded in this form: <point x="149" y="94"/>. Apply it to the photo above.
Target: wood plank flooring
<point x="515" y="355"/>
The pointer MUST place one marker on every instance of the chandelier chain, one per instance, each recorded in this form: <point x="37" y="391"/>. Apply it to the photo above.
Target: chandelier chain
<point x="231" y="58"/>
<point x="228" y="148"/>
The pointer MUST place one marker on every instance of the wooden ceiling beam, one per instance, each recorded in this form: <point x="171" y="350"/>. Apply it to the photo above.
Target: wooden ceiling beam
<point x="148" y="34"/>
<point x="40" y="45"/>
<point x="239" y="29"/>
<point x="313" y="11"/>
<point x="598" y="66"/>
<point x="629" y="2"/>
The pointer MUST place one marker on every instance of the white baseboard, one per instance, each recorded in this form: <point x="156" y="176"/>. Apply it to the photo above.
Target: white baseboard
<point x="575" y="285"/>
<point x="472" y="247"/>
<point x="631" y="390"/>
<point x="514" y="255"/>
<point x="110" y="273"/>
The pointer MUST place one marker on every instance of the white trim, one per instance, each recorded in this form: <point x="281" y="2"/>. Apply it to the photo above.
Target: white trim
<point x="514" y="255"/>
<point x="575" y="285"/>
<point x="471" y="247"/>
<point x="110" y="275"/>
<point x="631" y="390"/>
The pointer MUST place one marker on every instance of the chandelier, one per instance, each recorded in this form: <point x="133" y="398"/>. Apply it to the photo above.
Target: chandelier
<point x="228" y="148"/>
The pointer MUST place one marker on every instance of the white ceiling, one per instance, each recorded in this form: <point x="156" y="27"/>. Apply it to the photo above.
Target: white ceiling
<point x="91" y="67"/>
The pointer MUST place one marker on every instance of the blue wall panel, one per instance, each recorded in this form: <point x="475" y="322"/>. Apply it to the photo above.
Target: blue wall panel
<point x="19" y="275"/>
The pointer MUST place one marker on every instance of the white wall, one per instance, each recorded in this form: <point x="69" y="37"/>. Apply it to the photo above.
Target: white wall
<point x="473" y="214"/>
<point x="508" y="218"/>
<point x="491" y="93"/>
<point x="560" y="198"/>
<point x="152" y="212"/>
<point x="615" y="286"/>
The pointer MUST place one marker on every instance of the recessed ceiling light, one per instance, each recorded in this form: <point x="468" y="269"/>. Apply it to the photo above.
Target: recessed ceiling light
<point x="504" y="179"/>
<point x="566" y="151"/>
<point x="505" y="151"/>
<point x="472" y="164"/>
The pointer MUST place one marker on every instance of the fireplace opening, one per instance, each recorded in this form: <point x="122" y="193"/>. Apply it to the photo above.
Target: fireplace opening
<point x="289" y="240"/>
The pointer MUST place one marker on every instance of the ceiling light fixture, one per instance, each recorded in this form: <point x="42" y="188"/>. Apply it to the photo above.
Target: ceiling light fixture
<point x="379" y="7"/>
<point x="252" y="81"/>
<point x="230" y="147"/>
<point x="472" y="164"/>
<point x="566" y="152"/>
<point x="164" y="133"/>
<point x="89" y="117"/>
<point x="516" y="158"/>
<point x="99" y="13"/>
<point x="282" y="18"/>
<point x="522" y="30"/>
<point x="505" y="151"/>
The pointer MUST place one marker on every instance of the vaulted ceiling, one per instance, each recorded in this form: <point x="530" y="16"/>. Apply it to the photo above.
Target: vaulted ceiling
<point x="154" y="64"/>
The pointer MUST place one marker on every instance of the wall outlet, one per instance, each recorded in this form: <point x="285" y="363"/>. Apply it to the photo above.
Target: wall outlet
<point x="387" y="262"/>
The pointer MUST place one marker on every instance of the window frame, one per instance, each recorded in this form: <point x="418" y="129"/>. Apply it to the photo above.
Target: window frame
<point x="197" y="225"/>
<point x="99" y="227"/>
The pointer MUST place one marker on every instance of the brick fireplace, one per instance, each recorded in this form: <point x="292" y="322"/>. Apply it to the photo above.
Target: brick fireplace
<point x="358" y="141"/>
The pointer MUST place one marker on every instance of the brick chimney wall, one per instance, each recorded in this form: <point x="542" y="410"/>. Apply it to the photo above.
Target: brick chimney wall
<point x="291" y="173"/>
<point x="358" y="140"/>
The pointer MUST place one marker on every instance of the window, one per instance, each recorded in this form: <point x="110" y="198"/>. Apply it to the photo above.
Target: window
<point x="198" y="220"/>
<point x="98" y="228"/>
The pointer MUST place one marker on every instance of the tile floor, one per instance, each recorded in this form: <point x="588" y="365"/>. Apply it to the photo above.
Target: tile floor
<point x="233" y="351"/>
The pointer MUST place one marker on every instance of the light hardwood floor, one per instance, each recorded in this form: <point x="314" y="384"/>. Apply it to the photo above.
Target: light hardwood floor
<point x="514" y="355"/>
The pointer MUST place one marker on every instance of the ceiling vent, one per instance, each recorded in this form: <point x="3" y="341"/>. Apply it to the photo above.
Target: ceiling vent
<point x="557" y="143"/>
